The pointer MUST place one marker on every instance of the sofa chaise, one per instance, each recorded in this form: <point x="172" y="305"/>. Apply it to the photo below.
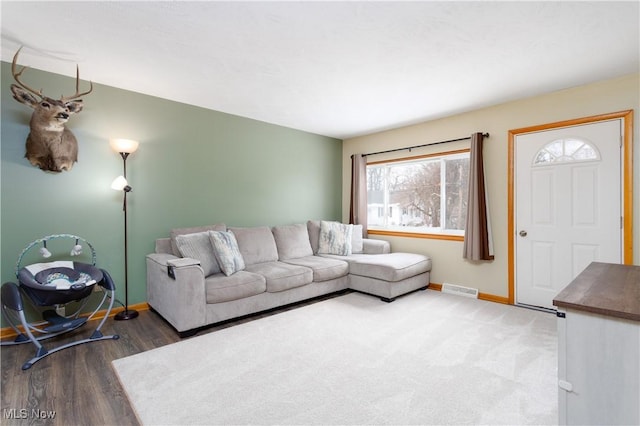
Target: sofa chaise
<point x="205" y="275"/>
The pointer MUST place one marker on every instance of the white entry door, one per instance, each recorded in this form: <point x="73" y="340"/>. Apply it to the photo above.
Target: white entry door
<point x="568" y="206"/>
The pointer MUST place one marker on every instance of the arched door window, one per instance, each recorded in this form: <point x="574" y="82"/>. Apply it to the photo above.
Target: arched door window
<point x="565" y="151"/>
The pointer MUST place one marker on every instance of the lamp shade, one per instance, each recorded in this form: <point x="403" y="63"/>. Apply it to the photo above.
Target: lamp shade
<point x="119" y="183"/>
<point x="123" y="145"/>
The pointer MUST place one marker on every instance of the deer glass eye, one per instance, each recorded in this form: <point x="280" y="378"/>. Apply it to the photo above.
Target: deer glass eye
<point x="45" y="104"/>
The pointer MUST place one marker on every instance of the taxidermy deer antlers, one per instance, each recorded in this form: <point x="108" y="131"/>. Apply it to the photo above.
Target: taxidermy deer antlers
<point x="50" y="145"/>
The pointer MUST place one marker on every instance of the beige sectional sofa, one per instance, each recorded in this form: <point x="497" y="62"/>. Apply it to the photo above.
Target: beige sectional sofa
<point x="206" y="275"/>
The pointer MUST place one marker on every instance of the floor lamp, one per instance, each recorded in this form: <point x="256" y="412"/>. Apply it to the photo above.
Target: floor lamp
<point x="124" y="147"/>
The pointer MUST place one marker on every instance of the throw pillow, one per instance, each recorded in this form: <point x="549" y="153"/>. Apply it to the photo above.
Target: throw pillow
<point x="335" y="238"/>
<point x="226" y="251"/>
<point x="192" y="230"/>
<point x="198" y="246"/>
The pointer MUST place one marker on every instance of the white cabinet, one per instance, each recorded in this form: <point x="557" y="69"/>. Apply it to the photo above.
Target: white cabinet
<point x="599" y="347"/>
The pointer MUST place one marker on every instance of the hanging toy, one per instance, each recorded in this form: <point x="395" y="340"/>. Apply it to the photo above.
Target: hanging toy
<point x="76" y="250"/>
<point x="44" y="252"/>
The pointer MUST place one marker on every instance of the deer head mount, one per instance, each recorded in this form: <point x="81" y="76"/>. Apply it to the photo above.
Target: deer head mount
<point x="50" y="145"/>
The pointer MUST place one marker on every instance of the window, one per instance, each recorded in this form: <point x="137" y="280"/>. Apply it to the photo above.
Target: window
<point x="566" y="150"/>
<point x="425" y="195"/>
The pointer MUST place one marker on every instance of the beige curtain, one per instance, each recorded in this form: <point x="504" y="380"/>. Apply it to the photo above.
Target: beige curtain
<point x="478" y="243"/>
<point x="358" y="204"/>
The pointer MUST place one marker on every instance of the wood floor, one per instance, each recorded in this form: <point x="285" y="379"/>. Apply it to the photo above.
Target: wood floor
<point x="78" y="386"/>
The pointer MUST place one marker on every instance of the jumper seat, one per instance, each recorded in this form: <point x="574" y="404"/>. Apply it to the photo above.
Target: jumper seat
<point x="56" y="285"/>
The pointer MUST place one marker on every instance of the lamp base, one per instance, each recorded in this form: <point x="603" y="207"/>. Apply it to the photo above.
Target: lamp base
<point x="127" y="314"/>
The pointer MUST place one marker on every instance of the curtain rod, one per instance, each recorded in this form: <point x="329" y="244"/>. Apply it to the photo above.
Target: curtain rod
<point x="486" y="135"/>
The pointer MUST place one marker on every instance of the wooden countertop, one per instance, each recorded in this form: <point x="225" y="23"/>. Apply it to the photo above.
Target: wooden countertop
<point x="604" y="288"/>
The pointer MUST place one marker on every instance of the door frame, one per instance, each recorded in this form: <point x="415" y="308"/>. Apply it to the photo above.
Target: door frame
<point x="627" y="183"/>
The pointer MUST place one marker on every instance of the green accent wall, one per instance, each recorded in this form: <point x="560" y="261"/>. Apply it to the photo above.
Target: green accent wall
<point x="193" y="167"/>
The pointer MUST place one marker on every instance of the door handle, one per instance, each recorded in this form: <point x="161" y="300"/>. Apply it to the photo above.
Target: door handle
<point x="523" y="233"/>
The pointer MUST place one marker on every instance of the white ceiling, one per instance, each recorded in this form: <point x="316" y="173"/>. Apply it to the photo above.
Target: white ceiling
<point x="338" y="69"/>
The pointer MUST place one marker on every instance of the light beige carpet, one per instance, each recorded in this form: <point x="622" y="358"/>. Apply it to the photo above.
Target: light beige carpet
<point x="427" y="358"/>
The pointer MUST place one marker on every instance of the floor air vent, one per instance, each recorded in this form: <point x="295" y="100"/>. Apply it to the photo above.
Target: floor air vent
<point x="460" y="290"/>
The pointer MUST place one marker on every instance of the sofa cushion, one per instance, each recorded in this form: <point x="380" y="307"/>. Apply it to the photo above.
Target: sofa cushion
<point x="198" y="246"/>
<point x="357" y="241"/>
<point x="371" y="246"/>
<point x="389" y="267"/>
<point x="226" y="251"/>
<point x="313" y="226"/>
<point x="163" y="245"/>
<point x="181" y="231"/>
<point x="282" y="276"/>
<point x="221" y="288"/>
<point x="257" y="244"/>
<point x="323" y="268"/>
<point x="335" y="238"/>
<point x="292" y="241"/>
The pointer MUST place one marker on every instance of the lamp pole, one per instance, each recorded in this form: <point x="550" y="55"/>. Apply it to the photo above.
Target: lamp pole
<point x="127" y="313"/>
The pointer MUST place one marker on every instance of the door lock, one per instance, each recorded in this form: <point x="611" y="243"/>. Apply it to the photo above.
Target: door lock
<point x="523" y="233"/>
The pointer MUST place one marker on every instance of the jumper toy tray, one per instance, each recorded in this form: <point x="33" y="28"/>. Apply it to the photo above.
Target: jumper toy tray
<point x="50" y="288"/>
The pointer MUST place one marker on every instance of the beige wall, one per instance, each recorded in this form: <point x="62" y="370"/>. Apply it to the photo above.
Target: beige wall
<point x="492" y="277"/>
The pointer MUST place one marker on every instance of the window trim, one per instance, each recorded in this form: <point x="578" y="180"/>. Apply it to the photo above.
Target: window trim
<point x="408" y="234"/>
<point x="427" y="236"/>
